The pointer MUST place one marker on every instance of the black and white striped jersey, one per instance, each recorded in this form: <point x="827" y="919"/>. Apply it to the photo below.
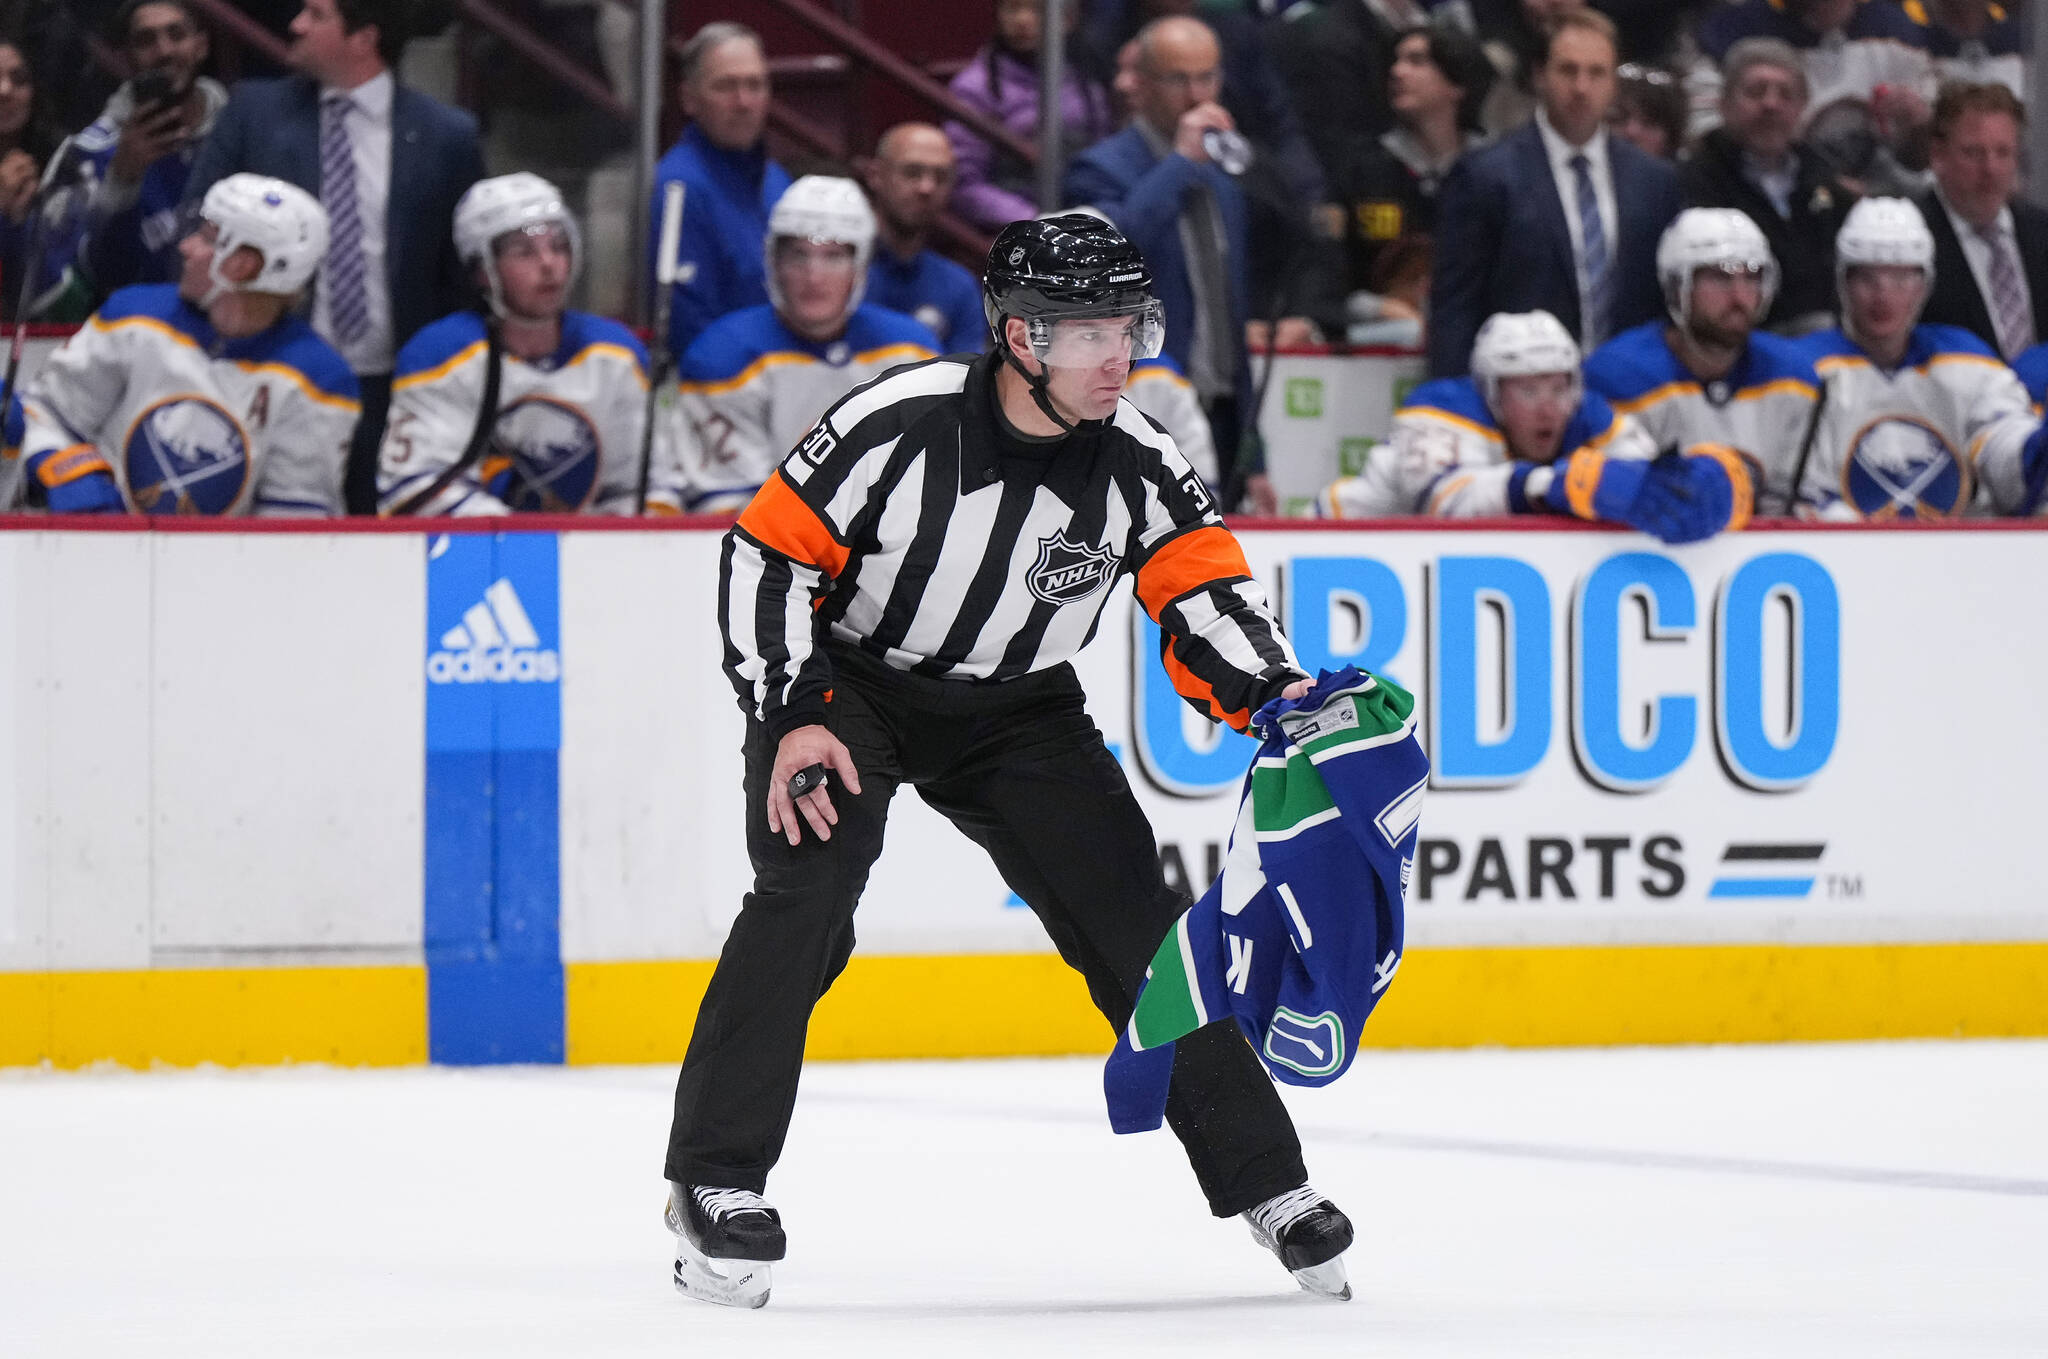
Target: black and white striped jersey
<point x="894" y="527"/>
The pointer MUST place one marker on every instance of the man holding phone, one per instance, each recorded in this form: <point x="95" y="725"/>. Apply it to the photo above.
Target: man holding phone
<point x="138" y="154"/>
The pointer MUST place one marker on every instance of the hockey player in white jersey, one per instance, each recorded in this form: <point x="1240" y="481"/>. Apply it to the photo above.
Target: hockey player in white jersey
<point x="1522" y="436"/>
<point x="1707" y="376"/>
<point x="570" y="402"/>
<point x="203" y="397"/>
<point x="1163" y="394"/>
<point x="1924" y="421"/>
<point x="756" y="381"/>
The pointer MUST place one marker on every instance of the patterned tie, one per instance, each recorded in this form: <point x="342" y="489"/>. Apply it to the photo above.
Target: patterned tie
<point x="2008" y="298"/>
<point x="348" y="304"/>
<point x="1593" y="238"/>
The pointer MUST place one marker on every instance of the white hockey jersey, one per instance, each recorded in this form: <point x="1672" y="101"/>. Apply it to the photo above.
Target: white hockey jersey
<point x="567" y="436"/>
<point x="1941" y="435"/>
<point x="750" y="388"/>
<point x="1157" y="388"/>
<point x="1447" y="457"/>
<point x="187" y="422"/>
<point x="1764" y="407"/>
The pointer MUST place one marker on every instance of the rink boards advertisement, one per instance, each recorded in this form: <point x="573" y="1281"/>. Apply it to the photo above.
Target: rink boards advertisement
<point x="474" y="796"/>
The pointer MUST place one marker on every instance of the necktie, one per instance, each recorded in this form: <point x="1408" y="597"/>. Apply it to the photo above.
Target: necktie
<point x="1213" y="367"/>
<point x="1593" y="244"/>
<point x="348" y="303"/>
<point x="2008" y="298"/>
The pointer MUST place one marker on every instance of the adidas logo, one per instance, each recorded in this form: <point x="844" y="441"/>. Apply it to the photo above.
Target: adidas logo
<point x="494" y="643"/>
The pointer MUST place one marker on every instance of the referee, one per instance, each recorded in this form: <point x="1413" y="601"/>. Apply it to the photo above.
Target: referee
<point x="899" y="603"/>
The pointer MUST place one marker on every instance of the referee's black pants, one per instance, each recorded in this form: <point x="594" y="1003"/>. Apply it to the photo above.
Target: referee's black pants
<point x="1022" y="770"/>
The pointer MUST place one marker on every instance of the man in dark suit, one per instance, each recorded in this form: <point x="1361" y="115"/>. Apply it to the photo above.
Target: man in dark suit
<point x="1990" y="249"/>
<point x="1753" y="163"/>
<point x="388" y="164"/>
<point x="1556" y="216"/>
<point x="1156" y="181"/>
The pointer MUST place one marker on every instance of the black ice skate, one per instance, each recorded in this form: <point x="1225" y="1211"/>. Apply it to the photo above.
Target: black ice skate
<point x="725" y="1240"/>
<point x="1309" y="1234"/>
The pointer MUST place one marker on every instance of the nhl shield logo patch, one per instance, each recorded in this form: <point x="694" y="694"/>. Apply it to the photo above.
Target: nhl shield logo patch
<point x="1068" y="571"/>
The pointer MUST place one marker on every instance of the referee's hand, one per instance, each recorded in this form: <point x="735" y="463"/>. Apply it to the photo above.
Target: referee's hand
<point x="800" y="749"/>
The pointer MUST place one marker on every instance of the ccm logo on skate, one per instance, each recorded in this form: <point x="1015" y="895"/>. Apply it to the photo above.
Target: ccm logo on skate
<point x="495" y="643"/>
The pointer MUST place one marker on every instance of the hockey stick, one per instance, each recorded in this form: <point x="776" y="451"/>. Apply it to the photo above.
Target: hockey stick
<point x="31" y="265"/>
<point x="659" y="357"/>
<point x="1820" y="403"/>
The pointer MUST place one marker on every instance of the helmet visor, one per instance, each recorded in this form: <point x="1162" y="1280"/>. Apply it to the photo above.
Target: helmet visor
<point x="1094" y="341"/>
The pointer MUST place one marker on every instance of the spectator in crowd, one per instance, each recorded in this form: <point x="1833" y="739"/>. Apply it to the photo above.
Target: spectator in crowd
<point x="996" y="186"/>
<point x="559" y="430"/>
<point x="1919" y="416"/>
<point x="1649" y="110"/>
<point x="908" y="181"/>
<point x="1258" y="99"/>
<point x="729" y="181"/>
<point x="1557" y="216"/>
<point x="1868" y="77"/>
<point x="1157" y="181"/>
<point x="139" y="152"/>
<point x="757" y="380"/>
<point x="208" y="396"/>
<point x="1978" y="42"/>
<point x="1435" y="88"/>
<point x="1522" y="435"/>
<point x="1990" y="246"/>
<point x="27" y="140"/>
<point x="1755" y="161"/>
<point x="1333" y="59"/>
<point x="387" y="162"/>
<point x="1705" y="375"/>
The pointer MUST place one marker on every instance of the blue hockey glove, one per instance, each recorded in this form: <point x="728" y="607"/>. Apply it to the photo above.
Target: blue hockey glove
<point x="93" y="493"/>
<point x="2034" y="466"/>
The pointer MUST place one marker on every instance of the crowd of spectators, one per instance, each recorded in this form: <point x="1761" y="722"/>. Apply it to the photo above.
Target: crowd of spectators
<point x="1356" y="172"/>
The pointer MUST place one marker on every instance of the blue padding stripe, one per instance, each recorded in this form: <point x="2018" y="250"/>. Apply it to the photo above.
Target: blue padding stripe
<point x="1761" y="887"/>
<point x="492" y="871"/>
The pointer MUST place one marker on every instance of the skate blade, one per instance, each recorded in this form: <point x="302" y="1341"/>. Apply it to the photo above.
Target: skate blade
<point x="744" y="1284"/>
<point x="1326" y="1280"/>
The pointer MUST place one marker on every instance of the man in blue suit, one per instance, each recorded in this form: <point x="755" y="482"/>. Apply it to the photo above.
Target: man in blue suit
<point x="388" y="164"/>
<point x="1556" y="216"/>
<point x="1158" y="183"/>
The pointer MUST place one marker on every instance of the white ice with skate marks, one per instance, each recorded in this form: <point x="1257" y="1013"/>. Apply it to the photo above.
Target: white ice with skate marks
<point x="1882" y="1200"/>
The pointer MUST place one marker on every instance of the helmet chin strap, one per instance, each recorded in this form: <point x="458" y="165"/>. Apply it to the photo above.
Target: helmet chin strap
<point x="1041" y="395"/>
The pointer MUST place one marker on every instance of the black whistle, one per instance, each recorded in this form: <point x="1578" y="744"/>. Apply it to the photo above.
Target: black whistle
<point x="809" y="779"/>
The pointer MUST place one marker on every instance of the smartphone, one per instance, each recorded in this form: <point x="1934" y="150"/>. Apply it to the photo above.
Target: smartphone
<point x="152" y="91"/>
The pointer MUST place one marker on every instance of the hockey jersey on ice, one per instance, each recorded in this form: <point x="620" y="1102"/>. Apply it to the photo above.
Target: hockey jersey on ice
<point x="1763" y="408"/>
<point x="1159" y="390"/>
<point x="1300" y="935"/>
<point x="1447" y="457"/>
<point x="187" y="422"/>
<point x="750" y="389"/>
<point x="567" y="435"/>
<point x="1950" y="429"/>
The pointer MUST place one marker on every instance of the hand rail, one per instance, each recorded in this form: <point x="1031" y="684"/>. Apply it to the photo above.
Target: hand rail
<point x="867" y="50"/>
<point x="578" y="79"/>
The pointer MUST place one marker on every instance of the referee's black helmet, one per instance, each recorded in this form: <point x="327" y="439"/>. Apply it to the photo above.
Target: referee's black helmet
<point x="1075" y="264"/>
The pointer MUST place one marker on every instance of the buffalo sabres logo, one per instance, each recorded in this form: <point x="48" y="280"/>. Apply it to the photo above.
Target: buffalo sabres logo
<point x="1068" y="571"/>
<point x="185" y="455"/>
<point x="1902" y="468"/>
<point x="544" y="457"/>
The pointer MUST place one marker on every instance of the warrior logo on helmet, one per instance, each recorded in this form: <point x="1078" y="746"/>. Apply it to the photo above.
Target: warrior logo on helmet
<point x="185" y="455"/>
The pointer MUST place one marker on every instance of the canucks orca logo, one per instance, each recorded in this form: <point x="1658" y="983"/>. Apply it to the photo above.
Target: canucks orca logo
<point x="544" y="457"/>
<point x="1310" y="1044"/>
<point x="1067" y="571"/>
<point x="186" y="455"/>
<point x="1900" y="467"/>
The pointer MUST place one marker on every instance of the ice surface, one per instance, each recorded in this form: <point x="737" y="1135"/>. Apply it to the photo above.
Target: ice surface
<point x="1841" y="1200"/>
